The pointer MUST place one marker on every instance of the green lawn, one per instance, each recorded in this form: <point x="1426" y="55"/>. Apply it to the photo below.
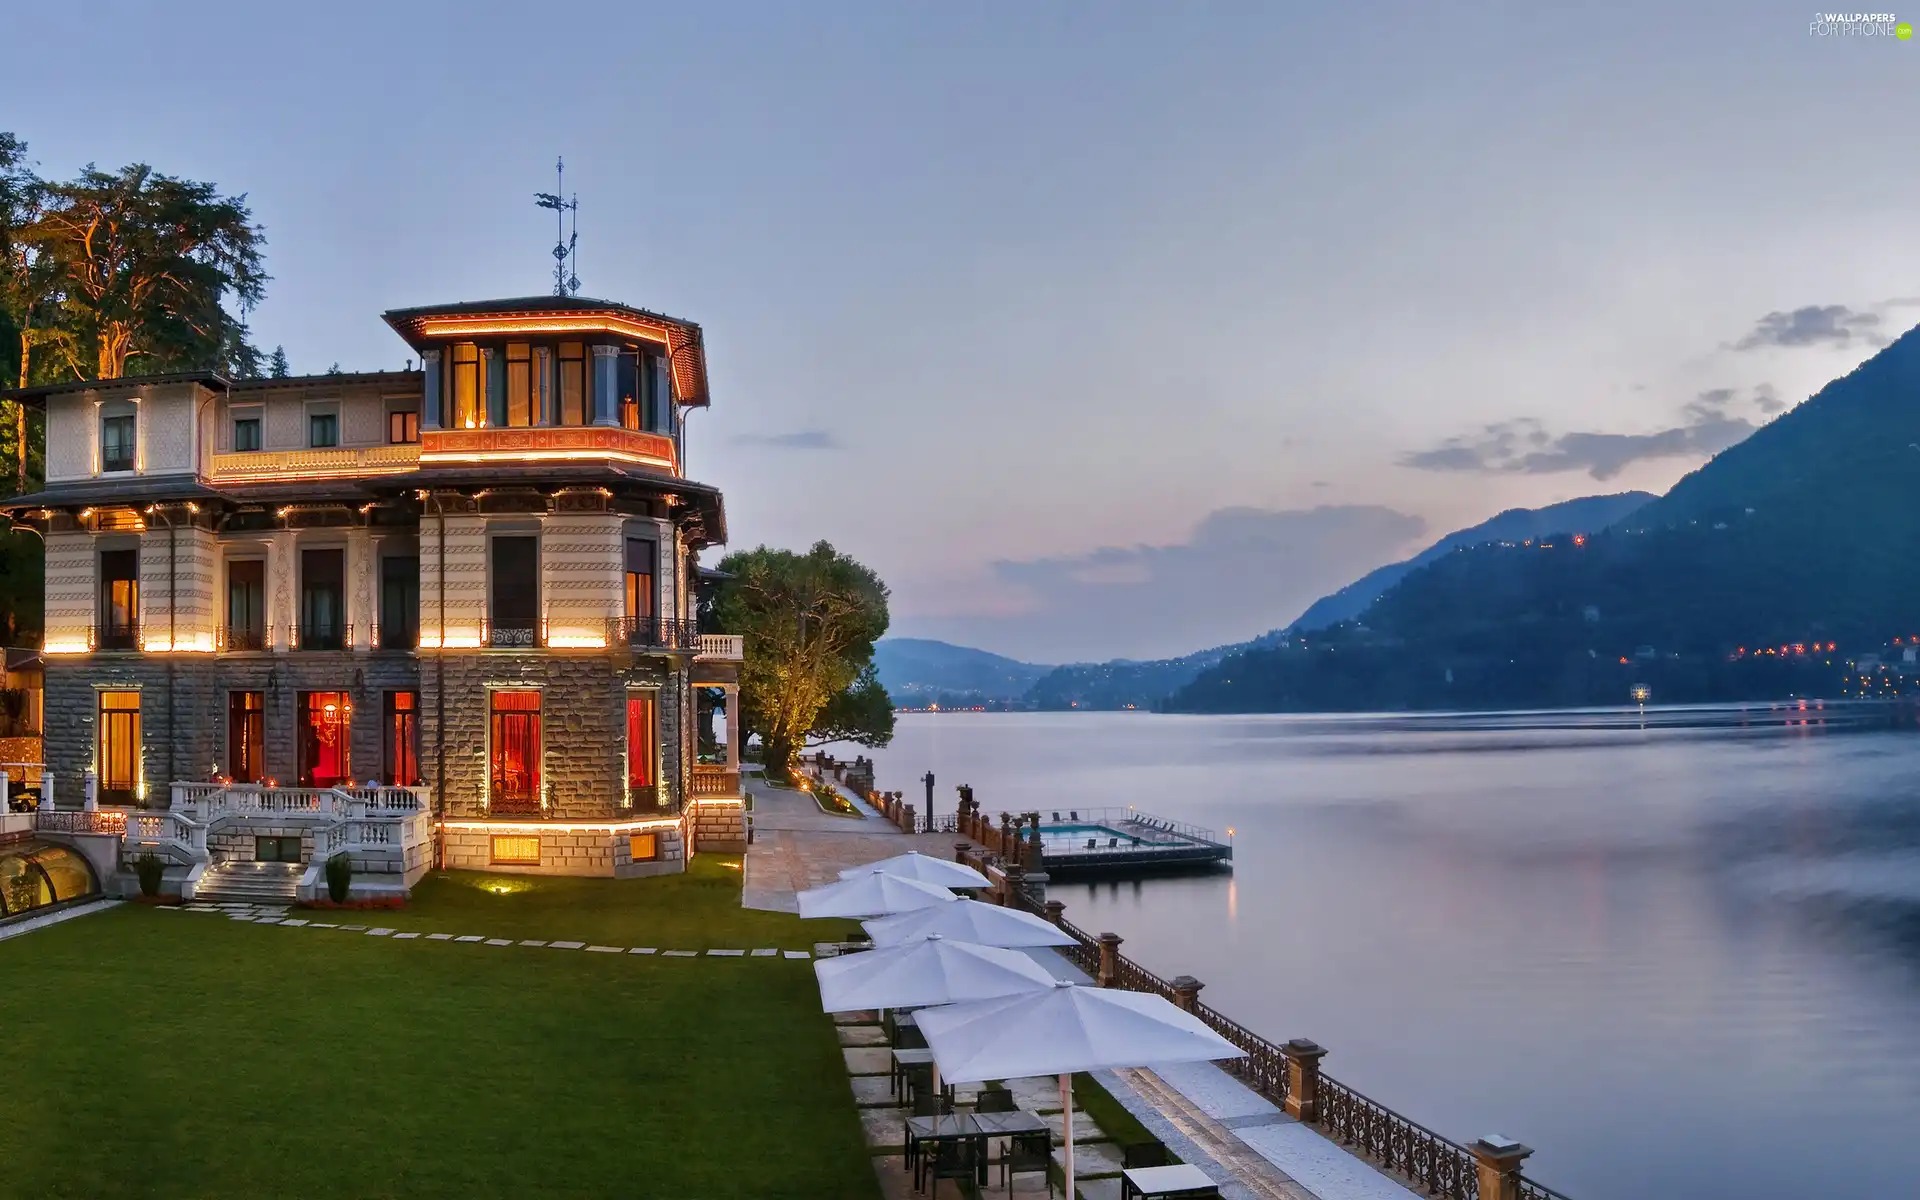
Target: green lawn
<point x="177" y="1054"/>
<point x="699" y="910"/>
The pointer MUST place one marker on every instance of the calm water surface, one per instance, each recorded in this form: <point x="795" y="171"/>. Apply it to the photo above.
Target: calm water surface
<point x="1683" y="959"/>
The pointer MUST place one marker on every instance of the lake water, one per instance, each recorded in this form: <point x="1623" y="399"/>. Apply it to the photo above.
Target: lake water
<point x="1678" y="960"/>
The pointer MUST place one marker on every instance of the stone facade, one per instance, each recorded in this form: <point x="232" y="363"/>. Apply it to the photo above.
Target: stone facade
<point x="563" y="851"/>
<point x="719" y="826"/>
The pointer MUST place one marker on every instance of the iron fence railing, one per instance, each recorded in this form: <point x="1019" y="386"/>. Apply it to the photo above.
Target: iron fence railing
<point x="237" y="638"/>
<point x="653" y="633"/>
<point x="524" y="633"/>
<point x="327" y="636"/>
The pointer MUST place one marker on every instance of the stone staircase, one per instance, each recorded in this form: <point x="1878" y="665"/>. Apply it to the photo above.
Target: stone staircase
<point x="253" y="882"/>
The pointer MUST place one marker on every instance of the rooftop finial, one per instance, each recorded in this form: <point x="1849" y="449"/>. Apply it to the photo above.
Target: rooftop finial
<point x="566" y="247"/>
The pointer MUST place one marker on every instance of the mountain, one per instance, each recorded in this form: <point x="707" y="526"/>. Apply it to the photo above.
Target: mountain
<point x="1587" y="514"/>
<point x="919" y="671"/>
<point x="1124" y="683"/>
<point x="1762" y="575"/>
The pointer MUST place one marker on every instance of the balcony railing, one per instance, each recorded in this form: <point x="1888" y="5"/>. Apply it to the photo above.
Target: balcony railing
<point x="391" y="635"/>
<point x="315" y="463"/>
<point x="117" y="635"/>
<point x="322" y="637"/>
<point x="713" y="780"/>
<point x="727" y="647"/>
<point x="238" y="639"/>
<point x="516" y="634"/>
<point x="653" y="633"/>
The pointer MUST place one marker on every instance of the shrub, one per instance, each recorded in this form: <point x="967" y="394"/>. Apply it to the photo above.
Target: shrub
<point x="150" y="868"/>
<point x="339" y="876"/>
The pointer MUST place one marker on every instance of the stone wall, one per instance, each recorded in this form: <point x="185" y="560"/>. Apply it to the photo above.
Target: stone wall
<point x="183" y="710"/>
<point x="567" y="852"/>
<point x="719" y="826"/>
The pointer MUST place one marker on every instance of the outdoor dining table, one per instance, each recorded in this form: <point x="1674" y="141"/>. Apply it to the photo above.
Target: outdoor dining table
<point x="1164" y="1183"/>
<point x="947" y="1127"/>
<point x="905" y="1060"/>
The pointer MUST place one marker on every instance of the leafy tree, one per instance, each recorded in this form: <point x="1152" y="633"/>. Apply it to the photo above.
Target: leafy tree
<point x="861" y="713"/>
<point x="29" y="294"/>
<point x="277" y="367"/>
<point x="810" y="621"/>
<point x="149" y="263"/>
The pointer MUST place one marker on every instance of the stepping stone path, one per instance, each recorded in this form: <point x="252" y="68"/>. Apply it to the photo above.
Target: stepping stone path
<point x="277" y="915"/>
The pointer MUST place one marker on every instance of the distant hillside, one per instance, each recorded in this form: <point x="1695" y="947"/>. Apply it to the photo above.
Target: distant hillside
<point x="917" y="671"/>
<point x="1589" y="514"/>
<point x="1122" y="683"/>
<point x="1803" y="535"/>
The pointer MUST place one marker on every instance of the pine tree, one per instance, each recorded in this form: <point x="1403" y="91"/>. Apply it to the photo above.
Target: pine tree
<point x="277" y="366"/>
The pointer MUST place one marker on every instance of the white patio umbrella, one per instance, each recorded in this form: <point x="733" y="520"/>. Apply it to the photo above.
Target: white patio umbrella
<point x="927" y="970"/>
<point x="969" y="921"/>
<point x="925" y="868"/>
<point x="1065" y="1029"/>
<point x="874" y="894"/>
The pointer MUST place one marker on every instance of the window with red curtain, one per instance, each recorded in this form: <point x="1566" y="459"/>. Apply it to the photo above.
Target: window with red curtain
<point x="402" y="740"/>
<point x="514" y="754"/>
<point x="326" y="741"/>
<point x="642" y="746"/>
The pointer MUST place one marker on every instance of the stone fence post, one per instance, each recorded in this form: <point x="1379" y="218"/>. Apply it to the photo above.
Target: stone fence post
<point x="1109" y="975"/>
<point x="1011" y="883"/>
<point x="1497" y="1162"/>
<point x="1186" y="992"/>
<point x="907" y="818"/>
<point x="960" y="852"/>
<point x="1056" y="913"/>
<point x="1303" y="1078"/>
<point x="1006" y="835"/>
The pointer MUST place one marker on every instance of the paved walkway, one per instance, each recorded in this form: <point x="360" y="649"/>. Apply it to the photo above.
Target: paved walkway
<point x="796" y="846"/>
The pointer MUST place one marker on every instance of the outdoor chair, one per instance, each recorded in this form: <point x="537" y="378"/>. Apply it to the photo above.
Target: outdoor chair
<point x="995" y="1100"/>
<point x="923" y="1105"/>
<point x="1090" y="843"/>
<point x="1056" y="818"/>
<point x="1144" y="1154"/>
<point x="1113" y="843"/>
<point x="957" y="1159"/>
<point x="908" y="1037"/>
<point x="1026" y="1154"/>
<point x="1074" y="815"/>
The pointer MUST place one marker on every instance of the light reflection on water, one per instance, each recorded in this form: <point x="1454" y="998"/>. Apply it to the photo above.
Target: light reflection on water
<point x="1678" y="958"/>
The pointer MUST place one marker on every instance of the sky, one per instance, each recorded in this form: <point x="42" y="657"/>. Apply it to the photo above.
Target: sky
<point x="1098" y="330"/>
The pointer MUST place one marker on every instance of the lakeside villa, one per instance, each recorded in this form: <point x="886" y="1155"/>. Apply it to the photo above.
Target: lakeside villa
<point x="438" y="617"/>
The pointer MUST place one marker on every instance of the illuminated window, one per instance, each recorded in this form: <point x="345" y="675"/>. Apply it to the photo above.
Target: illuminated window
<point x="326" y="739"/>
<point x="639" y="583"/>
<point x="573" y="383"/>
<point x="643" y="847"/>
<point x="246" y="736"/>
<point x="116" y="442"/>
<point x="629" y="367"/>
<point x="643" y="749"/>
<point x="516" y="851"/>
<point x="402" y="738"/>
<point x="403" y="427"/>
<point x="513" y="755"/>
<point x="119" y="599"/>
<point x="246" y="433"/>
<point x="119" y="747"/>
<point x="520" y="390"/>
<point x="464" y="380"/>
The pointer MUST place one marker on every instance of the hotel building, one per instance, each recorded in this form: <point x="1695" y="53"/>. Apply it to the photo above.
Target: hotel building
<point x="432" y="617"/>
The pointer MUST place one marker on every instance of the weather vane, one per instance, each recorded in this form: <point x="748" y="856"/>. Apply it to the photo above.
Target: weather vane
<point x="566" y="247"/>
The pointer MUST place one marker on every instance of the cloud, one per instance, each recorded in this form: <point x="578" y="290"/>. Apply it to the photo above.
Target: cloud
<point x="1525" y="447"/>
<point x="1817" y="325"/>
<point x="1241" y="572"/>
<point x="802" y="439"/>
